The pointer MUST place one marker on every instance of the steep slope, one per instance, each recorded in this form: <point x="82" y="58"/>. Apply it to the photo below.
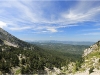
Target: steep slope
<point x="91" y="58"/>
<point x="90" y="61"/>
<point x="19" y="57"/>
<point x="11" y="40"/>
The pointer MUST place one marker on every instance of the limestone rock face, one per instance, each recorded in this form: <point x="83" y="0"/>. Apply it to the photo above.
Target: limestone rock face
<point x="89" y="50"/>
<point x="91" y="61"/>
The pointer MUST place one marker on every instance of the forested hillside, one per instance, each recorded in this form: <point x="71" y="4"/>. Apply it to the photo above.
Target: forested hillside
<point x="31" y="61"/>
<point x="65" y="48"/>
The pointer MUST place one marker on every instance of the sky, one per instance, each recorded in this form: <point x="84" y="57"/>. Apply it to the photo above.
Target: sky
<point x="63" y="20"/>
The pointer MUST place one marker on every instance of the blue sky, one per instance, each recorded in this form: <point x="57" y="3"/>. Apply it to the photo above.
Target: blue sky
<point x="51" y="20"/>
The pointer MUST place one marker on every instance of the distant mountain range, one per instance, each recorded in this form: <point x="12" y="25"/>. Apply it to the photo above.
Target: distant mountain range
<point x="64" y="42"/>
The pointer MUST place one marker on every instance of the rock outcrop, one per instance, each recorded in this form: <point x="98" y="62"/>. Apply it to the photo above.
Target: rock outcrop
<point x="89" y="50"/>
<point x="91" y="63"/>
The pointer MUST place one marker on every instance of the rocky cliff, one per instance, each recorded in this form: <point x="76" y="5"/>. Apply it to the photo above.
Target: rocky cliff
<point x="91" y="61"/>
<point x="89" y="65"/>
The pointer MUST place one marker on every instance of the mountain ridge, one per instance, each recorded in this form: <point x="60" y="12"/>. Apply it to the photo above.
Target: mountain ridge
<point x="63" y="42"/>
<point x="11" y="40"/>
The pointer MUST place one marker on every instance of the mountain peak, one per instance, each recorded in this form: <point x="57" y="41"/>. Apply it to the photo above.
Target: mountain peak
<point x="10" y="40"/>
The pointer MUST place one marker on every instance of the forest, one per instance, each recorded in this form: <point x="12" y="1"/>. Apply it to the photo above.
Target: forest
<point x="33" y="61"/>
<point x="64" y="48"/>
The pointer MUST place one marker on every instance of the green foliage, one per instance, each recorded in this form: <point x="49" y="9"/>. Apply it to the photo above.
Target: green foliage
<point x="65" y="48"/>
<point x="23" y="61"/>
<point x="18" y="72"/>
<point x="91" y="70"/>
<point x="33" y="61"/>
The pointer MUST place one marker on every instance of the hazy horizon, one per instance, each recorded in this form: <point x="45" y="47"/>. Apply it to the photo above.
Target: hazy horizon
<point x="51" y="20"/>
<point x="58" y="40"/>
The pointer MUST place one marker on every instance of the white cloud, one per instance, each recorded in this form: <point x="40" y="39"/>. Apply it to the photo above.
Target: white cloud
<point x="52" y="30"/>
<point x="44" y="31"/>
<point x="26" y="12"/>
<point x="70" y="16"/>
<point x="76" y="17"/>
<point x="81" y="12"/>
<point x="20" y="28"/>
<point x="2" y="24"/>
